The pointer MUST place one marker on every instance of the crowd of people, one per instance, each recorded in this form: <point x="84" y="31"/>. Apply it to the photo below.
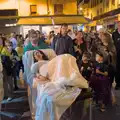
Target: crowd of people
<point x="97" y="55"/>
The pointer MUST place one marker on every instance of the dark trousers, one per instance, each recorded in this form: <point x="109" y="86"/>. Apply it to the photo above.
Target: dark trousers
<point x="14" y="75"/>
<point x="7" y="84"/>
<point x="117" y="79"/>
<point x="20" y="66"/>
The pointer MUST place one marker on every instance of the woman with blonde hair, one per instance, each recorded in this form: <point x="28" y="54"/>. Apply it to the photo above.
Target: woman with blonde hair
<point x="109" y="53"/>
<point x="109" y="48"/>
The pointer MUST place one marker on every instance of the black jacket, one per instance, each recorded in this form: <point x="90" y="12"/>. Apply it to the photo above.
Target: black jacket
<point x="116" y="39"/>
<point x="8" y="64"/>
<point x="63" y="45"/>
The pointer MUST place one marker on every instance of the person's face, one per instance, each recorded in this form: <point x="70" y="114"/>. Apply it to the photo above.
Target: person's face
<point x="103" y="39"/>
<point x="92" y="35"/>
<point x="79" y="35"/>
<point x="119" y="26"/>
<point x="9" y="46"/>
<point x="3" y="35"/>
<point x="100" y="34"/>
<point x="85" y="59"/>
<point x="99" y="58"/>
<point x="37" y="56"/>
<point x="34" y="38"/>
<point x="64" y="29"/>
<point x="12" y="35"/>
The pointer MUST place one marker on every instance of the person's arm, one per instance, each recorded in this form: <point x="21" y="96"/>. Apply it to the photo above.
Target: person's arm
<point x="1" y="67"/>
<point x="4" y="52"/>
<point x="26" y="48"/>
<point x="53" y="43"/>
<point x="16" y="55"/>
<point x="113" y="38"/>
<point x="71" y="47"/>
<point x="102" y="73"/>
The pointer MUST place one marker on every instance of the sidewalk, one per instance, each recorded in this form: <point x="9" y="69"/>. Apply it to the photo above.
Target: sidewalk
<point x="14" y="110"/>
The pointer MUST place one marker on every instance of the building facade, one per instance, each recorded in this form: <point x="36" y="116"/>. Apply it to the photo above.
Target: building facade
<point x="40" y="7"/>
<point x="102" y="12"/>
<point x="13" y="10"/>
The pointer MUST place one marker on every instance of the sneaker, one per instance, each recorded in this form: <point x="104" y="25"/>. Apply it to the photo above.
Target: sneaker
<point x="102" y="108"/>
<point x="9" y="99"/>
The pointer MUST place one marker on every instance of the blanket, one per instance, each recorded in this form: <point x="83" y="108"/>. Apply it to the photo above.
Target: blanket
<point x="65" y="84"/>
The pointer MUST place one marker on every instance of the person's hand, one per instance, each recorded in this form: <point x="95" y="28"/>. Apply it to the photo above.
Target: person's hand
<point x="82" y="68"/>
<point x="11" y="57"/>
<point x="89" y="68"/>
<point x="98" y="71"/>
<point x="42" y="78"/>
<point x="111" y="53"/>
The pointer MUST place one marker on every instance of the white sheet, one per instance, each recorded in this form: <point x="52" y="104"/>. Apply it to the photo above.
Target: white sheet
<point x="54" y="97"/>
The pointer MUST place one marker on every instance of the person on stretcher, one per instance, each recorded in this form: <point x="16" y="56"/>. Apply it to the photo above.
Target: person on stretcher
<point x="40" y="56"/>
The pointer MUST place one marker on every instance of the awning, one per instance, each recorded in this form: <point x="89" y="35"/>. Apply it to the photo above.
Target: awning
<point x="34" y="21"/>
<point x="50" y="20"/>
<point x="70" y="20"/>
<point x="107" y="14"/>
<point x="93" y="23"/>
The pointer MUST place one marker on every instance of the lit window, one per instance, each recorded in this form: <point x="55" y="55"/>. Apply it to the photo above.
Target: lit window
<point x="113" y="2"/>
<point x="33" y="9"/>
<point x="58" y="9"/>
<point x="107" y="3"/>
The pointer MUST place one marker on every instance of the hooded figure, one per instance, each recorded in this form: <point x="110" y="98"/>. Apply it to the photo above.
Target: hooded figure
<point x="62" y="88"/>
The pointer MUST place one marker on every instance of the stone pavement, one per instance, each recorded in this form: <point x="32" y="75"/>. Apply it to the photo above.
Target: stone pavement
<point x="112" y="113"/>
<point x="15" y="109"/>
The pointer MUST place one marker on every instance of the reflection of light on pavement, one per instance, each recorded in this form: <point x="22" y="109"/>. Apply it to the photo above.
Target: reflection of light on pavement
<point x="10" y="115"/>
<point x="21" y="99"/>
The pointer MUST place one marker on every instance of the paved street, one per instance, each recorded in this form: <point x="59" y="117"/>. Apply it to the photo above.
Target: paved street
<point x="15" y="109"/>
<point x="111" y="113"/>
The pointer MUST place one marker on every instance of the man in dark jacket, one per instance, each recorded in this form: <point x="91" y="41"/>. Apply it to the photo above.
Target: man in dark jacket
<point x="116" y="39"/>
<point x="62" y="43"/>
